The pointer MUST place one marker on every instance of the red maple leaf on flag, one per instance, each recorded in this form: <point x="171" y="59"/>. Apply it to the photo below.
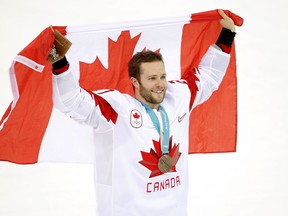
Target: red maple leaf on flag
<point x="150" y="159"/>
<point x="95" y="76"/>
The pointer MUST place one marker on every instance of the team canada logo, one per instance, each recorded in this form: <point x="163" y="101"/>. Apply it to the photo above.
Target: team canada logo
<point x="136" y="119"/>
<point x="150" y="159"/>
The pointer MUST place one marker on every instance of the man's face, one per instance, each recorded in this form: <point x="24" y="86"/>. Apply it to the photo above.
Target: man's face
<point x="151" y="87"/>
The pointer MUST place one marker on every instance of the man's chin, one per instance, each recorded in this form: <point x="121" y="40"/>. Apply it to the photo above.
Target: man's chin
<point x="158" y="100"/>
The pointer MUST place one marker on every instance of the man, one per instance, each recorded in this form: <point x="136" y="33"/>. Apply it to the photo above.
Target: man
<point x="141" y="142"/>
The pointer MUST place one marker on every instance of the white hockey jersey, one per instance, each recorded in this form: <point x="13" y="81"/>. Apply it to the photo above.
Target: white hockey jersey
<point x="128" y="181"/>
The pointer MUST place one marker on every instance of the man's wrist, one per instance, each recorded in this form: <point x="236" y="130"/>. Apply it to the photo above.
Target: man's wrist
<point x="60" y="66"/>
<point x="225" y="40"/>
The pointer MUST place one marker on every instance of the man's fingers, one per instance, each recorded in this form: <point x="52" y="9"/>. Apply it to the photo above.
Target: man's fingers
<point x="226" y="21"/>
<point x="222" y="14"/>
<point x="51" y="27"/>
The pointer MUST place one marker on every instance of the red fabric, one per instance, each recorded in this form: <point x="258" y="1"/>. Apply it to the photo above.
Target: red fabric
<point x="23" y="131"/>
<point x="213" y="124"/>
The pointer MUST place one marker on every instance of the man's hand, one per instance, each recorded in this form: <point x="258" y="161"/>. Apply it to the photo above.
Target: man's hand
<point x="226" y="21"/>
<point x="60" y="47"/>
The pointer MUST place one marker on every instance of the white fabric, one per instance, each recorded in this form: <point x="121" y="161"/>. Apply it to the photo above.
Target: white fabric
<point x="123" y="185"/>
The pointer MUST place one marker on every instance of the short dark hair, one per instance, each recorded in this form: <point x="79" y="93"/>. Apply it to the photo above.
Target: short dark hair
<point x="140" y="57"/>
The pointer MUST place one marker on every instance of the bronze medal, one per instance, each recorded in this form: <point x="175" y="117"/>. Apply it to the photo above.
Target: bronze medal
<point x="165" y="163"/>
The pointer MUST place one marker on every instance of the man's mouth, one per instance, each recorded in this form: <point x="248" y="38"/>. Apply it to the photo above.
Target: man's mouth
<point x="158" y="91"/>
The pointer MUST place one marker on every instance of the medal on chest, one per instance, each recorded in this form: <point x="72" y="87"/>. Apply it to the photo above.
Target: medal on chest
<point x="165" y="161"/>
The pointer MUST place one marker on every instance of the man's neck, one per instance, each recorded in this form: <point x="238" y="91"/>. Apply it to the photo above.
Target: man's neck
<point x="152" y="106"/>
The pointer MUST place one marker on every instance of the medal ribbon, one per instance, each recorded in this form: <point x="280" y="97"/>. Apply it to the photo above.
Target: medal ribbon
<point x="165" y="122"/>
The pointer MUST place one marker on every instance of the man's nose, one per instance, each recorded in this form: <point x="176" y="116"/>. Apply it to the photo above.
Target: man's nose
<point x="159" y="82"/>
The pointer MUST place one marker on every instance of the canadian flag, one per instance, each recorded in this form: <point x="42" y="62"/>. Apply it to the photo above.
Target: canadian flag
<point x="31" y="130"/>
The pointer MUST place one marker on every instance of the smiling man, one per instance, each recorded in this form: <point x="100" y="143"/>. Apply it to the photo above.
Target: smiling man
<point x="142" y="165"/>
<point x="149" y="81"/>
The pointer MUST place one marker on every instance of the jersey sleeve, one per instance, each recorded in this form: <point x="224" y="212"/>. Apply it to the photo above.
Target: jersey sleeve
<point x="83" y="106"/>
<point x="206" y="78"/>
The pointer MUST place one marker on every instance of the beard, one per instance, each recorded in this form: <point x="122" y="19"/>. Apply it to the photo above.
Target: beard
<point x="152" y="97"/>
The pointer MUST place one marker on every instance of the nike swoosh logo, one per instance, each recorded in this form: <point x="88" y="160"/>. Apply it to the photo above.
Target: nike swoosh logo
<point x="181" y="118"/>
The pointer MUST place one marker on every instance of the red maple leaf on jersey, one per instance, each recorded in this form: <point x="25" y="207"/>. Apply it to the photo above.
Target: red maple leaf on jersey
<point x="136" y="115"/>
<point x="150" y="159"/>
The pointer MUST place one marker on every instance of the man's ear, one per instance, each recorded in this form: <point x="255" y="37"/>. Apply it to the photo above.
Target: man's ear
<point x="134" y="82"/>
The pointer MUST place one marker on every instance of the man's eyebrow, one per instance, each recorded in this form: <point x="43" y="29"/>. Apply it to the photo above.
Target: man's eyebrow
<point x="155" y="75"/>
